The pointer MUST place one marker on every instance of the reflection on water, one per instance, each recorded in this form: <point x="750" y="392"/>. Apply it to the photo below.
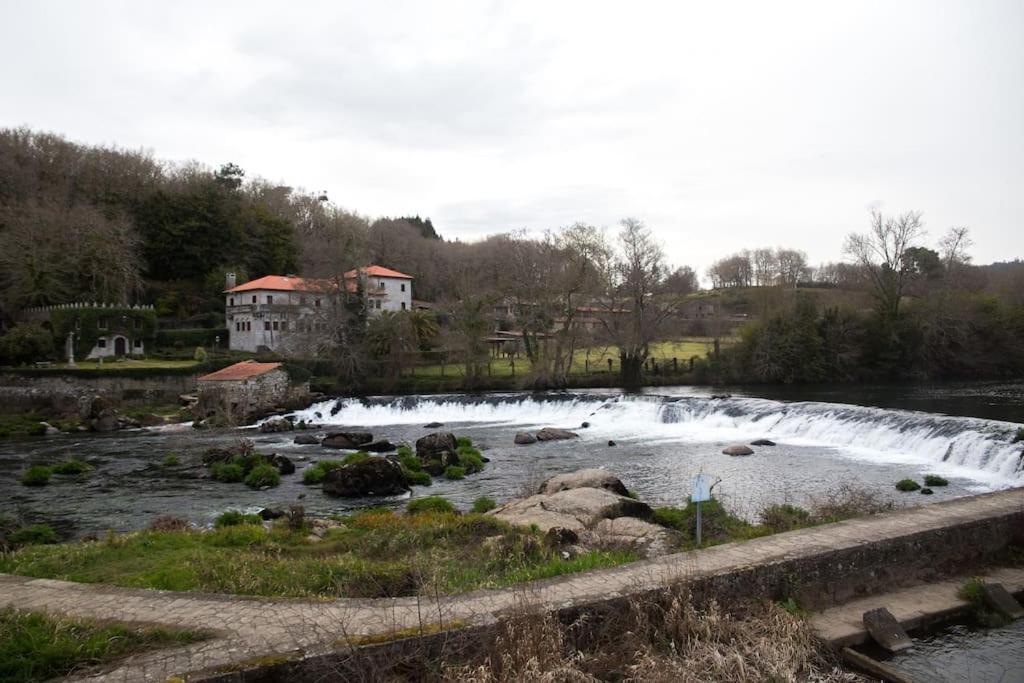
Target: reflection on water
<point x="959" y="654"/>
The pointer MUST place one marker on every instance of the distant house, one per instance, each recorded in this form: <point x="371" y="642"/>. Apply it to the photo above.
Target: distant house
<point x="280" y="312"/>
<point x="247" y="388"/>
<point x="95" y="330"/>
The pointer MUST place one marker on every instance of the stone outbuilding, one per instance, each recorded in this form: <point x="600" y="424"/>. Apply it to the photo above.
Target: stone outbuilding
<point x="247" y="388"/>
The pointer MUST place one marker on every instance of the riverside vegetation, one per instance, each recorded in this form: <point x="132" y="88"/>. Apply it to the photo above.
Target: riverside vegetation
<point x="377" y="553"/>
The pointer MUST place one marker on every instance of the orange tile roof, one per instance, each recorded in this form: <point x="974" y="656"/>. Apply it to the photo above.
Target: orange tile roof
<point x="244" y="370"/>
<point x="379" y="271"/>
<point x="284" y="283"/>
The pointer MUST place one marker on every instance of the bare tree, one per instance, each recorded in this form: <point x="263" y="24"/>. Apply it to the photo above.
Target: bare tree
<point x="792" y="266"/>
<point x="881" y="253"/>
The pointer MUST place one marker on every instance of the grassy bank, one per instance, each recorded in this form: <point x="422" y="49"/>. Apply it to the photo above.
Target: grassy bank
<point x="37" y="647"/>
<point x="371" y="554"/>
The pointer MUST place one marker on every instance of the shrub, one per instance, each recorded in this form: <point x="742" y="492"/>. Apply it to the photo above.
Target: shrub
<point x="416" y="478"/>
<point x="470" y="459"/>
<point x="846" y="501"/>
<point x="717" y="524"/>
<point x="199" y="355"/>
<point x="264" y="475"/>
<point x="464" y="442"/>
<point x="935" y="480"/>
<point x="227" y="472"/>
<point x="37" y="475"/>
<point x="37" y="534"/>
<point x="235" y="518"/>
<point x="454" y="472"/>
<point x="784" y="517"/>
<point x="168" y="523"/>
<point x="483" y="504"/>
<point x="316" y="473"/>
<point x="171" y="460"/>
<point x="404" y="451"/>
<point x="72" y="466"/>
<point x="26" y="342"/>
<point x="408" y="460"/>
<point x="353" y="458"/>
<point x="429" y="504"/>
<point x="907" y="485"/>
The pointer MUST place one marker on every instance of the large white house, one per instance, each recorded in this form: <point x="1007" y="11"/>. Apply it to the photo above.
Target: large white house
<point x="283" y="312"/>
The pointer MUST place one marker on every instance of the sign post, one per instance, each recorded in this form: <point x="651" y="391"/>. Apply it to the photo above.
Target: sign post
<point x="701" y="492"/>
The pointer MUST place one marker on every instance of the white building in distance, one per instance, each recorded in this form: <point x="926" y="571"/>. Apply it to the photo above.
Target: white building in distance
<point x="281" y="312"/>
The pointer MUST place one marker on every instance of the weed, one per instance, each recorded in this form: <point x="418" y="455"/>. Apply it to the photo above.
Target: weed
<point x="784" y="517"/>
<point x="464" y="442"/>
<point x="227" y="472"/>
<point x="316" y="473"/>
<point x="484" y="504"/>
<point x="168" y="523"/>
<point x="71" y="466"/>
<point x="470" y="459"/>
<point x="37" y="534"/>
<point x="429" y="504"/>
<point x="263" y="475"/>
<point x="171" y="460"/>
<point x="417" y="477"/>
<point x="37" y="475"/>
<point x="353" y="458"/>
<point x="235" y="518"/>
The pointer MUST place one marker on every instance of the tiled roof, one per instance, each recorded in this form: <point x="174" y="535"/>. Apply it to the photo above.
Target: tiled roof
<point x="244" y="370"/>
<point x="379" y="271"/>
<point x="284" y="283"/>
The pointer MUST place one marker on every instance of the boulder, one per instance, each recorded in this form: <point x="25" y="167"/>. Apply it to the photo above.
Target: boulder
<point x="588" y="478"/>
<point x="585" y="425"/>
<point x="212" y="455"/>
<point x="437" y="450"/>
<point x="557" y="537"/>
<point x="151" y="420"/>
<point x="611" y="443"/>
<point x="525" y="438"/>
<point x="351" y="441"/>
<point x="738" y="449"/>
<point x="555" y="434"/>
<point x="762" y="442"/>
<point x="307" y="439"/>
<point x="267" y="514"/>
<point x="433" y="425"/>
<point x="926" y="491"/>
<point x="100" y="406"/>
<point x="651" y="540"/>
<point x="574" y="509"/>
<point x="50" y="429"/>
<point x="283" y="464"/>
<point x="374" y="476"/>
<point x="106" y="423"/>
<point x="379" y="446"/>
<point x="277" y="424"/>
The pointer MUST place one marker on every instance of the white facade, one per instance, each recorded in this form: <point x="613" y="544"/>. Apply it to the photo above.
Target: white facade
<point x="385" y="293"/>
<point x="116" y="345"/>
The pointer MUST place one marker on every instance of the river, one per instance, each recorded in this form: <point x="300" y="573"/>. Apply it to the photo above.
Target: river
<point x="826" y="437"/>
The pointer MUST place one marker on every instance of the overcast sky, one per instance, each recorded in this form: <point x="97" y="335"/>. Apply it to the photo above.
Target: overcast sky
<point x="722" y="125"/>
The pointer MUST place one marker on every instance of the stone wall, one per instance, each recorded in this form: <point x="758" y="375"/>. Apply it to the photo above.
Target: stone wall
<point x="21" y="392"/>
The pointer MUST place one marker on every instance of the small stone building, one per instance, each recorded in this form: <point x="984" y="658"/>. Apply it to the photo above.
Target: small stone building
<point x="247" y="388"/>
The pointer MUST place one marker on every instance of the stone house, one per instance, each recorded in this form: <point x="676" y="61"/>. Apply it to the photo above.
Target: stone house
<point x="283" y="313"/>
<point x="247" y="388"/>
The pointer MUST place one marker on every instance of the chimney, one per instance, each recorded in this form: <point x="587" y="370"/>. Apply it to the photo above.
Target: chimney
<point x="229" y="281"/>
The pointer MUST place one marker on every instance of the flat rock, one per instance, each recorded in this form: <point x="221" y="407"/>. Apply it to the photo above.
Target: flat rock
<point x="346" y="440"/>
<point x="555" y="434"/>
<point x="433" y="425"/>
<point x="738" y="449"/>
<point x="652" y="540"/>
<point x="885" y="630"/>
<point x="525" y="439"/>
<point x="575" y="509"/>
<point x="762" y="442"/>
<point x="307" y="439"/>
<point x="379" y="446"/>
<point x="375" y="476"/>
<point x="277" y="424"/>
<point x="586" y="478"/>
<point x="1000" y="600"/>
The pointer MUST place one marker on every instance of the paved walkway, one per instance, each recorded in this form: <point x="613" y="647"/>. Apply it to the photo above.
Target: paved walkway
<point x="913" y="607"/>
<point x="253" y="628"/>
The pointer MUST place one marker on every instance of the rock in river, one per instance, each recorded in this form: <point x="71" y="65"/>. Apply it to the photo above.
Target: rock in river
<point x="437" y="451"/>
<point x="307" y="439"/>
<point x="375" y="476"/>
<point x="347" y="440"/>
<point x="738" y="449"/>
<point x="555" y="434"/>
<point x="525" y="438"/>
<point x="277" y="424"/>
<point x="588" y="478"/>
<point x="379" y="446"/>
<point x="762" y="442"/>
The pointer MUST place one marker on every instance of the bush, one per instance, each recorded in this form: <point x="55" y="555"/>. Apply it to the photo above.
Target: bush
<point x="227" y="472"/>
<point x="168" y="523"/>
<point x="72" y="466"/>
<point x="717" y="524"/>
<point x="784" y="517"/>
<point x="484" y="504"/>
<point x="199" y="355"/>
<point x="353" y="458"/>
<point x="235" y="518"/>
<point x="907" y="485"/>
<point x="464" y="442"/>
<point x="25" y="343"/>
<point x="404" y="451"/>
<point x="264" y="475"/>
<point x="316" y="473"/>
<point x="37" y="475"/>
<point x="429" y="504"/>
<point x="416" y="478"/>
<point x="408" y="460"/>
<point x="454" y="472"/>
<point x="37" y="534"/>
<point x="935" y="480"/>
<point x="171" y="460"/>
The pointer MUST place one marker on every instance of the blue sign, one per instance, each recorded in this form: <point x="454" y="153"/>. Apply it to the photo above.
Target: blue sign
<point x="702" y="484"/>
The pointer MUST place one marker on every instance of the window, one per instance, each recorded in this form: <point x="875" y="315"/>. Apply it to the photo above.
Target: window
<point x="238" y="327"/>
<point x="266" y="325"/>
<point x="381" y="283"/>
<point x="254" y="298"/>
<point x="102" y="323"/>
<point x="101" y="342"/>
<point x="317" y="303"/>
<point x="284" y="325"/>
<point x="270" y="298"/>
<point x="248" y="326"/>
<point x="403" y="305"/>
<point x="138" y="343"/>
<point x="231" y="301"/>
<point x="275" y="325"/>
<point x="403" y="286"/>
<point x="136" y="324"/>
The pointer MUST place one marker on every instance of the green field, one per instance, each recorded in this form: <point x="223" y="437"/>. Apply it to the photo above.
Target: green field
<point x="127" y="364"/>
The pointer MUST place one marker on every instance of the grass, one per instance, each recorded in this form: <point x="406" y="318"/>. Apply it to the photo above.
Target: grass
<point x="718" y="524"/>
<point x="37" y="647"/>
<point x="71" y="466"/>
<point x="454" y="472"/>
<point x="171" y="460"/>
<point x="227" y="472"/>
<point x="115" y="365"/>
<point x="37" y="534"/>
<point x="377" y="554"/>
<point x="37" y="475"/>
<point x="935" y="480"/>
<point x="429" y="504"/>
<point x="21" y="424"/>
<point x="484" y="504"/>
<point x="907" y="485"/>
<point x="235" y="518"/>
<point x="314" y="474"/>
<point x="263" y="475"/>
